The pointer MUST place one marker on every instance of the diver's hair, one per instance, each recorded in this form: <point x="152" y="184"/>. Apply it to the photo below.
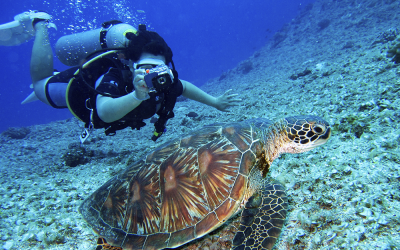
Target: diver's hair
<point x="147" y="41"/>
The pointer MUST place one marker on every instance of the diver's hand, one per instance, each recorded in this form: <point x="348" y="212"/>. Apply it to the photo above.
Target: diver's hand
<point x="141" y="88"/>
<point x="226" y="101"/>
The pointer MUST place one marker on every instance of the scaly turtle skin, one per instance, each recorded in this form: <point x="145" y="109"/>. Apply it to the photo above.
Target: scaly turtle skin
<point x="191" y="186"/>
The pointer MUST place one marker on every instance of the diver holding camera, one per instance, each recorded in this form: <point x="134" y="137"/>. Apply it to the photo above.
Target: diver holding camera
<point x="128" y="77"/>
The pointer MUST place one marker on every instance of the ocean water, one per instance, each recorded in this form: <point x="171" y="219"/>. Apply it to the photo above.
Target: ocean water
<point x="207" y="37"/>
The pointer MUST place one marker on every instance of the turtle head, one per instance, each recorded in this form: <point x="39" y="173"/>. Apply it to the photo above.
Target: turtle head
<point x="305" y="133"/>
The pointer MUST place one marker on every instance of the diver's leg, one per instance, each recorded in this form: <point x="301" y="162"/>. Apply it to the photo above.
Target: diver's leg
<point x="41" y="65"/>
<point x="48" y="88"/>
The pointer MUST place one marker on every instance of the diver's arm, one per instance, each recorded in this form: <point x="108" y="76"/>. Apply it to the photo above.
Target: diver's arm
<point x="112" y="109"/>
<point x="222" y="102"/>
<point x="192" y="92"/>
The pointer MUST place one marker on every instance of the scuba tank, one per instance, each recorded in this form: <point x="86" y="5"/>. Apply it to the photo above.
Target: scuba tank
<point x="72" y="49"/>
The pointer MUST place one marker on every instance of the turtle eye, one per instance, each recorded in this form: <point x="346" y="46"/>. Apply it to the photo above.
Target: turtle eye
<point x="319" y="129"/>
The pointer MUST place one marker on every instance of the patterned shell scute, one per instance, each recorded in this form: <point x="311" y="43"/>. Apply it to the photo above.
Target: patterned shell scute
<point x="114" y="205"/>
<point x="92" y="210"/>
<point x="240" y="135"/>
<point x="133" y="241"/>
<point x="202" y="136"/>
<point x="183" y="198"/>
<point x="247" y="161"/>
<point x="259" y="123"/>
<point x="162" y="152"/>
<point x="141" y="215"/>
<point x="180" y="237"/>
<point x="218" y="166"/>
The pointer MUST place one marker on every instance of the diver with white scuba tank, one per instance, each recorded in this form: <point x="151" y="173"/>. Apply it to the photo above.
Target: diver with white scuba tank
<point x="119" y="75"/>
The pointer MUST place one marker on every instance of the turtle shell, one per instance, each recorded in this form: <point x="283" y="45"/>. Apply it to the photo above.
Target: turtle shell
<point x="180" y="191"/>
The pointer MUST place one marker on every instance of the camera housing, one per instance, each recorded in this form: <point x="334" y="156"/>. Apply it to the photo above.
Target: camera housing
<point x="159" y="78"/>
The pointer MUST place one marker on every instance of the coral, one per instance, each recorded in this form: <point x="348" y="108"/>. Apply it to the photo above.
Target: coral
<point x="301" y="74"/>
<point x="16" y="133"/>
<point x="386" y="36"/>
<point x="278" y="38"/>
<point x="76" y="155"/>
<point x="324" y="23"/>
<point x="246" y="67"/>
<point x="223" y="76"/>
<point x="348" y="45"/>
<point x="354" y="124"/>
<point x="394" y="51"/>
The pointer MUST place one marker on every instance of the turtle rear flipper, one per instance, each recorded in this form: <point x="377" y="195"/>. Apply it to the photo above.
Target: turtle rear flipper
<point x="262" y="219"/>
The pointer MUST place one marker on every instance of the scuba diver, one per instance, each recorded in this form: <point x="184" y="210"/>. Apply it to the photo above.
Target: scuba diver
<point x="119" y="75"/>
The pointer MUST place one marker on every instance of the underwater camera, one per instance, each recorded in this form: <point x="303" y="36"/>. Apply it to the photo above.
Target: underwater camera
<point x="158" y="78"/>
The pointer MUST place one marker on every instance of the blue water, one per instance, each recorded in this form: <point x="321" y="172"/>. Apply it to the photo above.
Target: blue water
<point x="207" y="37"/>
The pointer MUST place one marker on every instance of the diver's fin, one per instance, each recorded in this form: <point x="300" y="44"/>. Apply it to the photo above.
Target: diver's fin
<point x="31" y="98"/>
<point x="44" y="16"/>
<point x="51" y="25"/>
<point x="21" y="29"/>
<point x="9" y="25"/>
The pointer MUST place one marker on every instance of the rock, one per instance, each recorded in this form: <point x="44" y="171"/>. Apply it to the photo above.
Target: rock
<point x="8" y="245"/>
<point x="192" y="114"/>
<point x="40" y="236"/>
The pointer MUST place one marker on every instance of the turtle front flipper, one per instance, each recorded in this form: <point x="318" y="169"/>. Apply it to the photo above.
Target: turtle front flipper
<point x="262" y="219"/>
<point x="103" y="245"/>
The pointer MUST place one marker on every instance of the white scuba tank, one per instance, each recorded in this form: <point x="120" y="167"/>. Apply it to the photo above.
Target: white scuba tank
<point x="72" y="49"/>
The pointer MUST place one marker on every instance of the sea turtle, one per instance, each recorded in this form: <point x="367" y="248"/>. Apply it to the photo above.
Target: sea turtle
<point x="193" y="185"/>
